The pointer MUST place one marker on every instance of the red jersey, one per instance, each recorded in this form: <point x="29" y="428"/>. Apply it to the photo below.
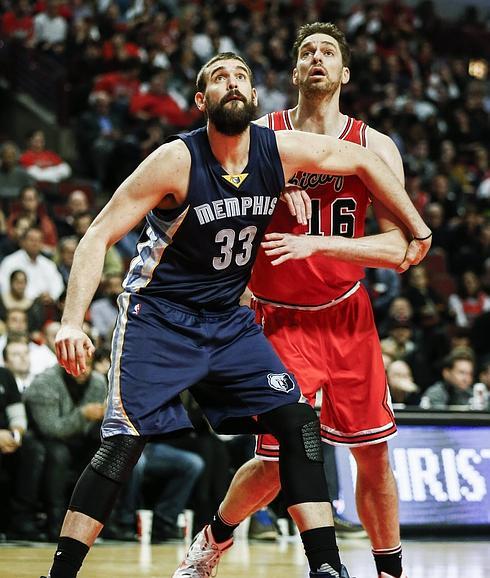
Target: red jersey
<point x="339" y="205"/>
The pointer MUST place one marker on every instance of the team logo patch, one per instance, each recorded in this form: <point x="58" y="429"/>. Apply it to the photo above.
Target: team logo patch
<point x="235" y="180"/>
<point x="137" y="309"/>
<point x="280" y="382"/>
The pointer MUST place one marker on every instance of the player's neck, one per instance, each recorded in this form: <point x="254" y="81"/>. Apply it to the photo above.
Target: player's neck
<point x="321" y="116"/>
<point x="230" y="151"/>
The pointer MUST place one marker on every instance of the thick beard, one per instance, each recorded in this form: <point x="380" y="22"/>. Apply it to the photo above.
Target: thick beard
<point x="232" y="120"/>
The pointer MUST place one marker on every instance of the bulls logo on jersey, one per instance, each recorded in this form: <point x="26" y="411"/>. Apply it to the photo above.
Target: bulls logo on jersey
<point x="280" y="382"/>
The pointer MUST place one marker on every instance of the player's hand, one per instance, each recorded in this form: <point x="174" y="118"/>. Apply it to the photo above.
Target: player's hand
<point x="298" y="201"/>
<point x="416" y="251"/>
<point x="284" y="246"/>
<point x="73" y="347"/>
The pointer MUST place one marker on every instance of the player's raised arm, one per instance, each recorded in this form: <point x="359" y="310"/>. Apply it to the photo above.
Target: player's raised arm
<point x="323" y="154"/>
<point x="163" y="174"/>
<point x="386" y="249"/>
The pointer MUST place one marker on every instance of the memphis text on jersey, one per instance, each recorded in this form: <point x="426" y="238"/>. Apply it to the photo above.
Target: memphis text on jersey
<point x="235" y="207"/>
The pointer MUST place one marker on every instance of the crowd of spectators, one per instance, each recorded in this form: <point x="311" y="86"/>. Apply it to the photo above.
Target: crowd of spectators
<point x="131" y="67"/>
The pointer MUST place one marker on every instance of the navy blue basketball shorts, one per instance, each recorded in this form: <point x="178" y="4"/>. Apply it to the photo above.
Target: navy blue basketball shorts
<point x="160" y="349"/>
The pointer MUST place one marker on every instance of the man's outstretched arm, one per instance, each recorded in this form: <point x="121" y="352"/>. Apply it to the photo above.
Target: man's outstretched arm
<point x="323" y="154"/>
<point x="166" y="171"/>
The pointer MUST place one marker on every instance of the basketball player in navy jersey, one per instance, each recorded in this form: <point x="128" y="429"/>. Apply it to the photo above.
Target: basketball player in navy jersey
<point x="208" y="197"/>
<point x="319" y="299"/>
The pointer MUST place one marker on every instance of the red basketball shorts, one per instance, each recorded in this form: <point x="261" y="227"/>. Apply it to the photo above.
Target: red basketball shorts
<point x="336" y="350"/>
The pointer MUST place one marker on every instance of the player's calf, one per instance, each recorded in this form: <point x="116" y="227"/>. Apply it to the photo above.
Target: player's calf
<point x="93" y="499"/>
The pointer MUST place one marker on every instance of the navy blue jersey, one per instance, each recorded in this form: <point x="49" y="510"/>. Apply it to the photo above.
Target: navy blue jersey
<point x="201" y="254"/>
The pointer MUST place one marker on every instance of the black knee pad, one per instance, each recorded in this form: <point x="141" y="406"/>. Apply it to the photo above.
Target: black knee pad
<point x="98" y="487"/>
<point x="297" y="428"/>
<point x="117" y="456"/>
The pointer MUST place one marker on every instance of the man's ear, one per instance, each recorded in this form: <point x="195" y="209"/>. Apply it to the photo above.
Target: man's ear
<point x="255" y="97"/>
<point x="345" y="75"/>
<point x="200" y="101"/>
<point x="295" y="76"/>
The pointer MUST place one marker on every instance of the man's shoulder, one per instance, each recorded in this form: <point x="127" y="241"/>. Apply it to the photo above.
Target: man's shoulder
<point x="436" y="389"/>
<point x="46" y="382"/>
<point x="15" y="257"/>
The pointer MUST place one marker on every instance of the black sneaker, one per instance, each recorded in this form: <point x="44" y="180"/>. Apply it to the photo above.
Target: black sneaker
<point x="346" y="529"/>
<point x="331" y="573"/>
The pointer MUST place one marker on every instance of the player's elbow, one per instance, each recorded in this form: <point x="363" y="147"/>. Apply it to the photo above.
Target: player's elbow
<point x="96" y="236"/>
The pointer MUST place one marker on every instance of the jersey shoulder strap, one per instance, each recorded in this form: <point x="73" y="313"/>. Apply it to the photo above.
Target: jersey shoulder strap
<point x="279" y="120"/>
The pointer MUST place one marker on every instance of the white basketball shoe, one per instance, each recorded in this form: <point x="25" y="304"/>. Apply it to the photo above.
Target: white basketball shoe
<point x="203" y="556"/>
<point x="385" y="575"/>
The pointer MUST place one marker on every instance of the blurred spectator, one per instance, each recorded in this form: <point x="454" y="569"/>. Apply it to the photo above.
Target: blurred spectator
<point x="120" y="85"/>
<point x="102" y="359"/>
<point x="13" y="242"/>
<point x="103" y="311"/>
<point x="455" y="386"/>
<point x="418" y="161"/>
<point x="50" y="28"/>
<point x="12" y="414"/>
<point x="17" y="360"/>
<point x="463" y="241"/>
<point x="13" y="177"/>
<point x="414" y="189"/>
<point x="32" y="208"/>
<point x="400" y="309"/>
<point x="156" y="102"/>
<point x="43" y="278"/>
<point x="76" y="204"/>
<point x="428" y="306"/>
<point x="99" y="133"/>
<point x="383" y="286"/>
<point x="399" y="343"/>
<point x="151" y="138"/>
<point x="50" y="330"/>
<point x="271" y="97"/>
<point x="484" y="372"/>
<point x="435" y="219"/>
<point x="403" y="390"/>
<point x="43" y="165"/>
<point x="66" y="251"/>
<point x="470" y="301"/>
<point x="14" y="298"/>
<point x="442" y="193"/>
<point x="169" y="475"/>
<point x="22" y="457"/>
<point x="66" y="414"/>
<point x="217" y="474"/>
<point x="17" y="23"/>
<point x="481" y="390"/>
<point x="113" y="263"/>
<point x="21" y="355"/>
<point x="210" y="41"/>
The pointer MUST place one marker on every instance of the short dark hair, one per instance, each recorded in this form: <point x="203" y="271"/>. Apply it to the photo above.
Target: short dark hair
<point x="17" y="272"/>
<point x="322" y="28"/>
<point x="202" y="78"/>
<point x="13" y="339"/>
<point x="458" y="354"/>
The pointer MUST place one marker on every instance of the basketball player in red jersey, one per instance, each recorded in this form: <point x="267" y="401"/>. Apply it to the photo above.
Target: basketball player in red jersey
<point x="317" y="314"/>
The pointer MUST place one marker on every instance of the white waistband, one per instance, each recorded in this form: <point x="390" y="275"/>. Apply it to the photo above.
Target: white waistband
<point x="332" y="303"/>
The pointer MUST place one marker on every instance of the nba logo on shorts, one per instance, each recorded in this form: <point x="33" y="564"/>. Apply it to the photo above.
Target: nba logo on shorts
<point x="280" y="382"/>
<point x="137" y="308"/>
